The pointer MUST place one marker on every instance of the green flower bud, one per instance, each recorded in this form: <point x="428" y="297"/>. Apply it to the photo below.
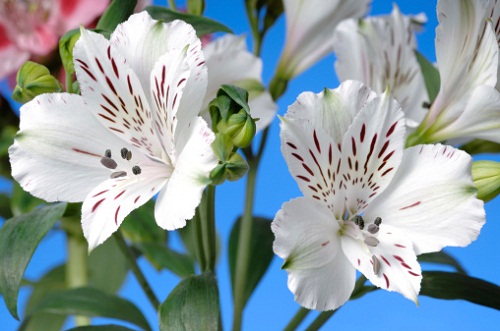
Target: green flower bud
<point x="234" y="168"/>
<point x="231" y="115"/>
<point x="66" y="45"/>
<point x="486" y="176"/>
<point x="34" y="79"/>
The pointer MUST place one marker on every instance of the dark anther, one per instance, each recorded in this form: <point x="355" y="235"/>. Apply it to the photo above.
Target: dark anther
<point x="118" y="174"/>
<point x="124" y="153"/>
<point x="136" y="170"/>
<point x="377" y="221"/>
<point x="129" y="155"/>
<point x="108" y="163"/>
<point x="107" y="153"/>
<point x="376" y="265"/>
<point x="372" y="228"/>
<point x="359" y="221"/>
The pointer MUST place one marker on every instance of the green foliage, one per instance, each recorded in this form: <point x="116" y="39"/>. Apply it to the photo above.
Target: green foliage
<point x="452" y="286"/>
<point x="107" y="327"/>
<point x="479" y="146"/>
<point x="202" y="25"/>
<point x="86" y="301"/>
<point x="486" y="176"/>
<point x="431" y="76"/>
<point x="117" y="12"/>
<point x="165" y="258"/>
<point x="19" y="237"/>
<point x="108" y="267"/>
<point x="140" y="226"/>
<point x="195" y="7"/>
<point x="261" y="252"/>
<point x="192" y="305"/>
<point x="442" y="258"/>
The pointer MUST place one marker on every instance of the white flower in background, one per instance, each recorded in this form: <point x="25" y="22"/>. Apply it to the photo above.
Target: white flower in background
<point x="134" y="131"/>
<point x="380" y="52"/>
<point x="467" y="105"/>
<point x="369" y="204"/>
<point x="229" y="62"/>
<point x="309" y="26"/>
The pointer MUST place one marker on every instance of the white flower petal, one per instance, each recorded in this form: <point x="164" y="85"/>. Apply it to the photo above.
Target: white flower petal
<point x="467" y="57"/>
<point x="319" y="275"/>
<point x="142" y="41"/>
<point x="380" y="52"/>
<point x="110" y="202"/>
<point x="332" y="110"/>
<point x="397" y="270"/>
<point x="56" y="155"/>
<point x="314" y="161"/>
<point x="114" y="93"/>
<point x="309" y="25"/>
<point x="480" y="118"/>
<point x="371" y="151"/>
<point x="182" y="194"/>
<point x="168" y="80"/>
<point x="432" y="199"/>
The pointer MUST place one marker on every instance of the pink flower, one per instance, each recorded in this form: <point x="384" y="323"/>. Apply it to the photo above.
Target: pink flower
<point x="33" y="27"/>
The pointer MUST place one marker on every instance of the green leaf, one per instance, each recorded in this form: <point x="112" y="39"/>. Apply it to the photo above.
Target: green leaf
<point x="192" y="305"/>
<point x="442" y="258"/>
<point x="117" y="12"/>
<point x="479" y="146"/>
<point x="165" y="258"/>
<point x="54" y="280"/>
<point x="273" y="9"/>
<point x="104" y="258"/>
<point x="5" y="210"/>
<point x="195" y="7"/>
<point x="187" y="235"/>
<point x="452" y="286"/>
<point x="201" y="24"/>
<point x="87" y="301"/>
<point x="140" y="226"/>
<point x="19" y="237"/>
<point x="431" y="76"/>
<point x="107" y="327"/>
<point x="22" y="201"/>
<point x="261" y="252"/>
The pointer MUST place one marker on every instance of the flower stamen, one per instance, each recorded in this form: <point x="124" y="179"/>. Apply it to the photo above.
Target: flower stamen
<point x="109" y="162"/>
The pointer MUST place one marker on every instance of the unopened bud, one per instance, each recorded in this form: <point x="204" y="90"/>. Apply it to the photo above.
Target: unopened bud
<point x="240" y="127"/>
<point x="486" y="176"/>
<point x="34" y="79"/>
<point x="66" y="45"/>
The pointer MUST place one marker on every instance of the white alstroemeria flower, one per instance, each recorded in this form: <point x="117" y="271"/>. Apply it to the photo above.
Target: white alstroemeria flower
<point x="369" y="204"/>
<point x="467" y="105"/>
<point x="309" y="25"/>
<point x="380" y="52"/>
<point x="134" y="131"/>
<point x="229" y="62"/>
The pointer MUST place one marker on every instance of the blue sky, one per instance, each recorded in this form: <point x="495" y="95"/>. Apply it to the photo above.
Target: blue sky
<point x="272" y="305"/>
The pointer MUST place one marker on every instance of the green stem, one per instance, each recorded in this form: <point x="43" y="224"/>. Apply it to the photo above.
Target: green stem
<point x="69" y="83"/>
<point x="207" y="225"/>
<point x="243" y="253"/>
<point x="198" y="239"/>
<point x="143" y="282"/>
<point x="254" y="25"/>
<point x="171" y="4"/>
<point x="297" y="319"/>
<point x="77" y="269"/>
<point x="321" y="320"/>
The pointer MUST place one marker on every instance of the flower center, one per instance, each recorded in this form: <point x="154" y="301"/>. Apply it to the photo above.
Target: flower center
<point x="126" y="155"/>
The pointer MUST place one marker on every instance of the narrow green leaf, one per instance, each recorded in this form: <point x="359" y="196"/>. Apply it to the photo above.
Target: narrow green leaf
<point x="201" y="24"/>
<point x="192" y="305"/>
<point x="117" y="12"/>
<point x="442" y="258"/>
<point x="431" y="76"/>
<point x="19" y="237"/>
<point x="140" y="226"/>
<point x="164" y="258"/>
<point x="261" y="252"/>
<point x="22" y="201"/>
<point x="479" y="146"/>
<point x="54" y="280"/>
<point x="87" y="301"/>
<point x="273" y="9"/>
<point x="107" y="327"/>
<point x="104" y="258"/>
<point x="452" y="286"/>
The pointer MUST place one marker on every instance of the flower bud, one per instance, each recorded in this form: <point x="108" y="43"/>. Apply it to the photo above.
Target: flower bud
<point x="34" y="79"/>
<point x="66" y="45"/>
<point x="231" y="165"/>
<point x="486" y="176"/>
<point x="231" y="115"/>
